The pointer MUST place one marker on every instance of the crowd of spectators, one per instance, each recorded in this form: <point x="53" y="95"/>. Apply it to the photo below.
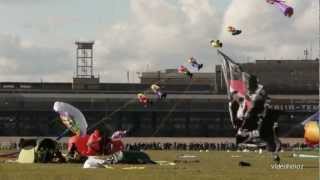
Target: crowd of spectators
<point x="181" y="146"/>
<point x="222" y="146"/>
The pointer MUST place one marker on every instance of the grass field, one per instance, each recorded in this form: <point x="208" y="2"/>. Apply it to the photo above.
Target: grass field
<point x="212" y="165"/>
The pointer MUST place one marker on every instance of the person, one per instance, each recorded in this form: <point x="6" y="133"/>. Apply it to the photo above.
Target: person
<point x="194" y="63"/>
<point x="94" y="143"/>
<point x="216" y="43"/>
<point x="250" y="116"/>
<point x="58" y="157"/>
<point x="237" y="107"/>
<point x="144" y="100"/>
<point x="182" y="69"/>
<point x="156" y="89"/>
<point x="260" y="121"/>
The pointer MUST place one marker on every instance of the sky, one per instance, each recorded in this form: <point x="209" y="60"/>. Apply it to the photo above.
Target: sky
<point x="37" y="36"/>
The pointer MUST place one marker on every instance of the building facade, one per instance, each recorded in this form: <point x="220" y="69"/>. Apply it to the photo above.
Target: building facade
<point x="192" y="108"/>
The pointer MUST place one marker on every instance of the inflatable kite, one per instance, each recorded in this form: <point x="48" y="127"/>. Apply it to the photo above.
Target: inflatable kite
<point x="285" y="9"/>
<point x="184" y="70"/>
<point x="234" y="31"/>
<point x="311" y="133"/>
<point x="216" y="44"/>
<point x="156" y="89"/>
<point x="194" y="63"/>
<point x="74" y="121"/>
<point x="311" y="129"/>
<point x="144" y="100"/>
<point x="71" y="117"/>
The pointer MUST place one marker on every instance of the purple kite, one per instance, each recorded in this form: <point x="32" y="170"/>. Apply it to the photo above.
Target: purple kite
<point x="285" y="9"/>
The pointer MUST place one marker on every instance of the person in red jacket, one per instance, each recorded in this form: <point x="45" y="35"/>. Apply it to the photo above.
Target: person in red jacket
<point x="93" y="143"/>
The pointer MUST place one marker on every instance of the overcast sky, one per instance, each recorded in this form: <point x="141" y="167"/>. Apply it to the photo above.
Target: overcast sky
<point x="37" y="36"/>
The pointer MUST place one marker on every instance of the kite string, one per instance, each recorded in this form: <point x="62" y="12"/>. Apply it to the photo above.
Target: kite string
<point x="170" y="112"/>
<point x="121" y="107"/>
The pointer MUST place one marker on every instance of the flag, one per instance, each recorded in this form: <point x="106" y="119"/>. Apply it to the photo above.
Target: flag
<point x="234" y="76"/>
<point x="235" y="82"/>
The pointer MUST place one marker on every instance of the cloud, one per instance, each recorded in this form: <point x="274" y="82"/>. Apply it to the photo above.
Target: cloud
<point x="267" y="33"/>
<point x="159" y="34"/>
<point x="163" y="34"/>
<point x="23" y="2"/>
<point x="25" y="61"/>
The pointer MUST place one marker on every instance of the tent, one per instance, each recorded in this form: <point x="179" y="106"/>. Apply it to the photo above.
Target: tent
<point x="33" y="150"/>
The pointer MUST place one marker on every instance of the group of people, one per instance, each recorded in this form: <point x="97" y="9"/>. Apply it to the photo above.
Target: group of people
<point x="219" y="146"/>
<point x="96" y="143"/>
<point x="181" y="146"/>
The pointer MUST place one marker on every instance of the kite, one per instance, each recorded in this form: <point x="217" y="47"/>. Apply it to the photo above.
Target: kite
<point x="184" y="70"/>
<point x="118" y="135"/>
<point x="71" y="117"/>
<point x="249" y="108"/>
<point x="156" y="89"/>
<point x="285" y="9"/>
<point x="311" y="129"/>
<point x="194" y="63"/>
<point x="234" y="31"/>
<point x="216" y="44"/>
<point x="74" y="121"/>
<point x="311" y="133"/>
<point x="144" y="100"/>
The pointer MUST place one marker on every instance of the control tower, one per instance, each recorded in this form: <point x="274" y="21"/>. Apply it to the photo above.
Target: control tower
<point x="84" y="78"/>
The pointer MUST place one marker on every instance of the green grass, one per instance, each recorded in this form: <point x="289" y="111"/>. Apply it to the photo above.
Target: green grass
<point x="212" y="165"/>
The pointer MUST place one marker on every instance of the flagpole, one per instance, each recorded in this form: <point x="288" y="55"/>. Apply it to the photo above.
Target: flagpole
<point x="225" y="75"/>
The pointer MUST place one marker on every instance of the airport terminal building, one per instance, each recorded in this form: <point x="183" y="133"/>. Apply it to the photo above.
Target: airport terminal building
<point x="192" y="108"/>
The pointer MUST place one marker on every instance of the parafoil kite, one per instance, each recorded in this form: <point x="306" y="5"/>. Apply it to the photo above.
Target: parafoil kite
<point x="194" y="63"/>
<point x="216" y="44"/>
<point x="285" y="9"/>
<point x="71" y="117"/>
<point x="183" y="70"/>
<point x="156" y="89"/>
<point x="234" y="31"/>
